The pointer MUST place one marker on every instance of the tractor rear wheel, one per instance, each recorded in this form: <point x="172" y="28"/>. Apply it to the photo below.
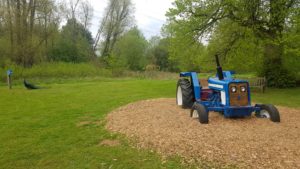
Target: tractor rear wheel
<point x="184" y="93"/>
<point x="269" y="111"/>
<point x="199" y="111"/>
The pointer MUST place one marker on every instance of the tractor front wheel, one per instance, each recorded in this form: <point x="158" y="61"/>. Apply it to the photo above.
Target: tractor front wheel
<point x="268" y="111"/>
<point x="199" y="111"/>
<point x="184" y="93"/>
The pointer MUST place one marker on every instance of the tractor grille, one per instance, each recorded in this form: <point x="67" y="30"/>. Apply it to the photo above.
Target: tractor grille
<point x="239" y="97"/>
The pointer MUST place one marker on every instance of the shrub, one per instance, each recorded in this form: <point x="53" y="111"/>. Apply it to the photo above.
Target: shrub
<point x="56" y="70"/>
<point x="280" y="78"/>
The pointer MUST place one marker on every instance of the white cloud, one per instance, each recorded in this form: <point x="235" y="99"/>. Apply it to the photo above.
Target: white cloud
<point x="149" y="14"/>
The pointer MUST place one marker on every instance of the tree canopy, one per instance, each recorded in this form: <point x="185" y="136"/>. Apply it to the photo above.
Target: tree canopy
<point x="268" y="21"/>
<point x="131" y="48"/>
<point x="73" y="45"/>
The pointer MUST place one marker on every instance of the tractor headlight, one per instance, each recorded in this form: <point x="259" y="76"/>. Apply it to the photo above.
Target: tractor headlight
<point x="233" y="89"/>
<point x="243" y="89"/>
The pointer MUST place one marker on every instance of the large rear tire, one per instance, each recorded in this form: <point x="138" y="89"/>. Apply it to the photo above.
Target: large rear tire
<point x="268" y="111"/>
<point x="184" y="94"/>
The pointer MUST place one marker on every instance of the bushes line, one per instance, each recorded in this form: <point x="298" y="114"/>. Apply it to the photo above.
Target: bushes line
<point x="60" y="71"/>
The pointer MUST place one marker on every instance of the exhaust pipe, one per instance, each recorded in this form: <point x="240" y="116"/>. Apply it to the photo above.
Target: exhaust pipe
<point x="219" y="69"/>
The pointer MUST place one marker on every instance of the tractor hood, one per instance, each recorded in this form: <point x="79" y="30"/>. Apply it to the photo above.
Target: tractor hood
<point x="215" y="83"/>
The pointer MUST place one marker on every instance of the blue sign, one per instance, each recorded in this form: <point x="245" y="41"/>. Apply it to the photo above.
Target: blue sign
<point x="9" y="72"/>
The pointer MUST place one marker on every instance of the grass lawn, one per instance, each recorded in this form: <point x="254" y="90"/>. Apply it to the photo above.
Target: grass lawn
<point x="41" y="129"/>
<point x="282" y="97"/>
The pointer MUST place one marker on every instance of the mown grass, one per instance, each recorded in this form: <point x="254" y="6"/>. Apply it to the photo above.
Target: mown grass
<point x="41" y="129"/>
<point x="283" y="97"/>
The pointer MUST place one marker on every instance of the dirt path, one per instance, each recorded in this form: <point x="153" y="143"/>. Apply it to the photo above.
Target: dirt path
<point x="248" y="143"/>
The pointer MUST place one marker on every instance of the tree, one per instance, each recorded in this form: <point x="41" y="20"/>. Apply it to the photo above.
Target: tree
<point x="74" y="44"/>
<point x="27" y="26"/>
<point x="267" y="19"/>
<point x="87" y="13"/>
<point x="117" y="19"/>
<point x="186" y="53"/>
<point x="292" y="45"/>
<point x="81" y="10"/>
<point x="240" y="49"/>
<point x="131" y="48"/>
<point x="158" y="52"/>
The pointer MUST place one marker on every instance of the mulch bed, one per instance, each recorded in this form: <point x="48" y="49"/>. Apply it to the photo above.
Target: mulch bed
<point x="246" y="143"/>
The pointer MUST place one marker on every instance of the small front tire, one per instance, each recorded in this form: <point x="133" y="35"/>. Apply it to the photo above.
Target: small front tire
<point x="268" y="111"/>
<point x="202" y="113"/>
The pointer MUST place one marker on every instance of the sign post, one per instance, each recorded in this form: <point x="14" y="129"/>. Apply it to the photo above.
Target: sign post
<point x="9" y="74"/>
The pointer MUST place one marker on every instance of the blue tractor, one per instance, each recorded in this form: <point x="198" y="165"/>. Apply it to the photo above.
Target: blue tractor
<point x="224" y="94"/>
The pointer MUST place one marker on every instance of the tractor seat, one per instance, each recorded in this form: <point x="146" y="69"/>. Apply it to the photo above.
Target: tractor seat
<point x="203" y="83"/>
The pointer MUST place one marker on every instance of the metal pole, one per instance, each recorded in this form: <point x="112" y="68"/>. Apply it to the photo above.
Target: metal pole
<point x="9" y="82"/>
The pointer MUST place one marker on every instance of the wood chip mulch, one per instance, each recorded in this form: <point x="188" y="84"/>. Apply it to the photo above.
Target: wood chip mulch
<point x="246" y="143"/>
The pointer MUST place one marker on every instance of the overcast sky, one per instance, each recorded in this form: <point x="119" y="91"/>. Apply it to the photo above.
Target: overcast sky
<point x="149" y="15"/>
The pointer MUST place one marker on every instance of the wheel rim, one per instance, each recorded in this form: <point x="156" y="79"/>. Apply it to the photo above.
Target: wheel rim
<point x="179" y="96"/>
<point x="195" y="114"/>
<point x="265" y="114"/>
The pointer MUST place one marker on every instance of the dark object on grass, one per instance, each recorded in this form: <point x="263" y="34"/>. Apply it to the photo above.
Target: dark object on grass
<point x="30" y="86"/>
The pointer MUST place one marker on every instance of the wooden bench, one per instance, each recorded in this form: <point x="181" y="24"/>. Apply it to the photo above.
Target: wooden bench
<point x="258" y="82"/>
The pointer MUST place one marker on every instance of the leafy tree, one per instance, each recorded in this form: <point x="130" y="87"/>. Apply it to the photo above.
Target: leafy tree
<point x="161" y="54"/>
<point x="152" y="44"/>
<point x="26" y="27"/>
<point x="132" y="47"/>
<point x="74" y="44"/>
<point x="292" y="44"/>
<point x="267" y="19"/>
<point x="118" y="17"/>
<point x="238" y="47"/>
<point x="186" y="53"/>
<point x="158" y="52"/>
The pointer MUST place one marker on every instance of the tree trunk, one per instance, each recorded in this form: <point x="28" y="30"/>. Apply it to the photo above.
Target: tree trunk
<point x="11" y="31"/>
<point x="273" y="67"/>
<point x="19" y="55"/>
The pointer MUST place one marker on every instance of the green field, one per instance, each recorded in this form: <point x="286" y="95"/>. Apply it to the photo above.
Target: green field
<point x="41" y="129"/>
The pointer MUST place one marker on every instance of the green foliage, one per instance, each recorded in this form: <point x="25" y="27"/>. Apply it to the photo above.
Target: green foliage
<point x="273" y="68"/>
<point x="292" y="46"/>
<point x="185" y="52"/>
<point x="74" y="44"/>
<point x="242" y="32"/>
<point x="55" y="70"/>
<point x="237" y="47"/>
<point x="117" y="65"/>
<point x="4" y="50"/>
<point x="131" y="47"/>
<point x="158" y="53"/>
<point x="279" y="77"/>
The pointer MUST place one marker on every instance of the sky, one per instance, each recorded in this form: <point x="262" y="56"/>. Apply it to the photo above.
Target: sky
<point x="149" y="15"/>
